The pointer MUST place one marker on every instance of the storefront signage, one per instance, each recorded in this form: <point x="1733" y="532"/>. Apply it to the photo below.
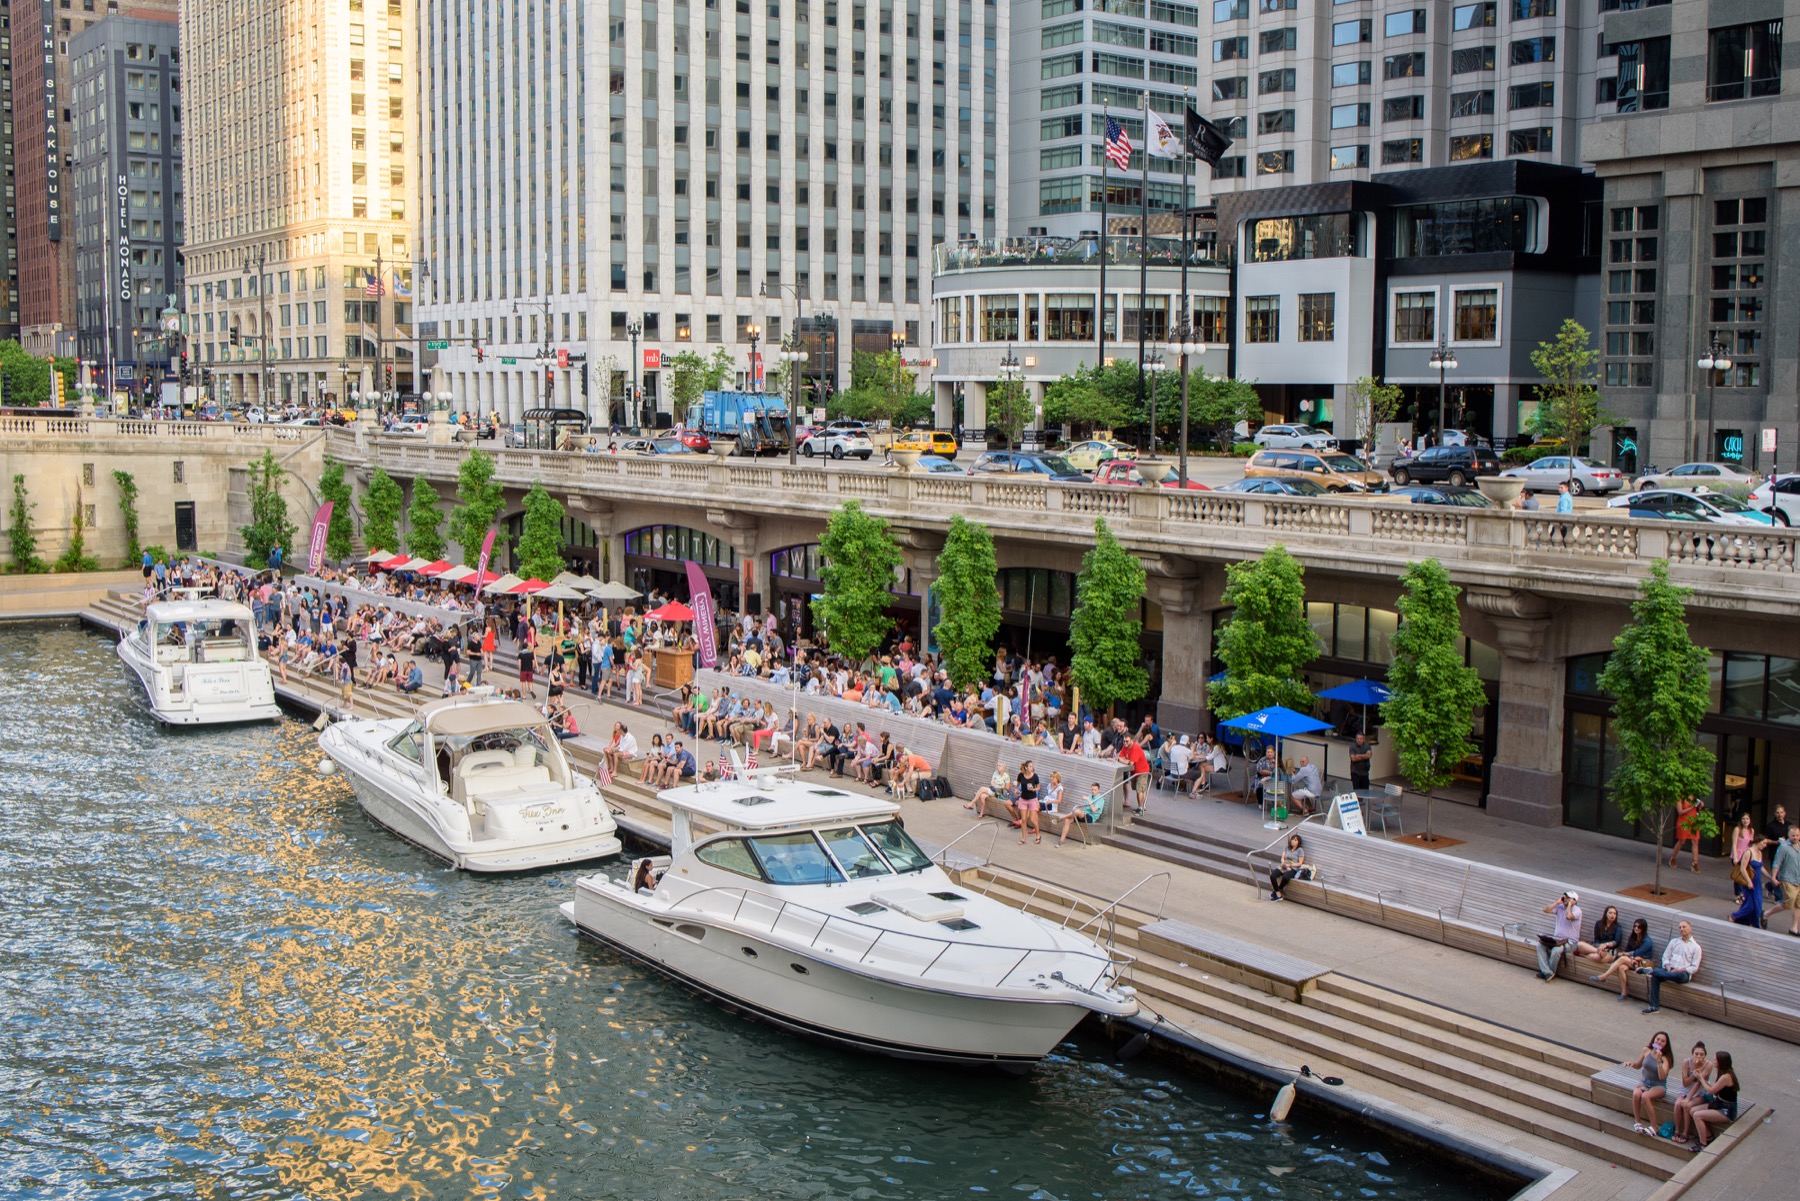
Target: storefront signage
<point x="52" y="136"/>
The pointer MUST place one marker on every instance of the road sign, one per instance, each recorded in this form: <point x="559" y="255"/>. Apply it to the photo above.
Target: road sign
<point x="437" y="344"/>
<point x="1768" y="440"/>
<point x="509" y="362"/>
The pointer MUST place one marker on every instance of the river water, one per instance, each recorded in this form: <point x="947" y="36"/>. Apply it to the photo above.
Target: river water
<point x="218" y="979"/>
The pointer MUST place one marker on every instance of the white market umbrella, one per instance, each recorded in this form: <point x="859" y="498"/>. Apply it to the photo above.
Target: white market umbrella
<point x="614" y="591"/>
<point x="457" y="574"/>
<point x="505" y="583"/>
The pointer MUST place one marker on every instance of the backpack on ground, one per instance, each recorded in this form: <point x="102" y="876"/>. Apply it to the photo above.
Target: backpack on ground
<point x="927" y="791"/>
<point x="941" y="789"/>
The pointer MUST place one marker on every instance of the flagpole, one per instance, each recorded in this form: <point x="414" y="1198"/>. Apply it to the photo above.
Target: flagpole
<point x="1187" y="309"/>
<point x="1144" y="261"/>
<point x="1105" y="187"/>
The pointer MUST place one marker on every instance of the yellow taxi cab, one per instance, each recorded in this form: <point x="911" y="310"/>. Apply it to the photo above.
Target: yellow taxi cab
<point x="928" y="442"/>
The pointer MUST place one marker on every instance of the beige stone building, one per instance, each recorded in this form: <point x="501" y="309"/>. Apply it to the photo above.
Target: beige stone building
<point x="301" y="192"/>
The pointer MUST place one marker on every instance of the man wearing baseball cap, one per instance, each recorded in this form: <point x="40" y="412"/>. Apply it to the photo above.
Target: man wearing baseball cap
<point x="1552" y="947"/>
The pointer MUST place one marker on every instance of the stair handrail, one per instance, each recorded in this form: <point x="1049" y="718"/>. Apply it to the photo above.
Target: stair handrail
<point x="941" y="858"/>
<point x="1109" y="913"/>
<point x="1281" y="838"/>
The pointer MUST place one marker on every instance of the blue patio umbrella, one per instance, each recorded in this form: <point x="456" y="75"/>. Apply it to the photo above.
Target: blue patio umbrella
<point x="1275" y="722"/>
<point x="1360" y="692"/>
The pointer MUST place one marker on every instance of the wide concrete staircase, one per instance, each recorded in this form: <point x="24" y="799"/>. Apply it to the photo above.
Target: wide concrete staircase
<point x="1432" y="1061"/>
<point x="1157" y="837"/>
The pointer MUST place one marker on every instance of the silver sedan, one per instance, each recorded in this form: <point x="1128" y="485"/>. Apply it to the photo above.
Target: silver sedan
<point x="1545" y="474"/>
<point x="1689" y="476"/>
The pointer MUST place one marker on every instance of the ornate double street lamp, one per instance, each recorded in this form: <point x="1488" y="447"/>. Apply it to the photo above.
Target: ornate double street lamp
<point x="633" y="330"/>
<point x="1714" y="362"/>
<point x="1187" y="345"/>
<point x="754" y="332"/>
<point x="1444" y="359"/>
<point x="1010" y="377"/>
<point x="793" y="357"/>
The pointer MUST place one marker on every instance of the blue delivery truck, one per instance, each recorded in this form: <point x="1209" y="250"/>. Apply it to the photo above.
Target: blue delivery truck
<point x="757" y="420"/>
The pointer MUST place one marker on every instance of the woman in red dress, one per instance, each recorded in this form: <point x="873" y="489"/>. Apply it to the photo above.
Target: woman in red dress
<point x="1686" y="831"/>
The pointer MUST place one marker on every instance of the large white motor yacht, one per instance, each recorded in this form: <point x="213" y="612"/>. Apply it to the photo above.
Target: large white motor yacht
<point x="812" y="909"/>
<point x="196" y="658"/>
<point x="477" y="779"/>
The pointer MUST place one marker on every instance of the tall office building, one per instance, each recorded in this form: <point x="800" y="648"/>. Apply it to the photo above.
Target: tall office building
<point x="690" y="171"/>
<point x="125" y="188"/>
<point x="299" y="144"/>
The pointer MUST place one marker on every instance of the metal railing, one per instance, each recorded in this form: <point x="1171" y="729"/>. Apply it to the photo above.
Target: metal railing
<point x="1279" y="839"/>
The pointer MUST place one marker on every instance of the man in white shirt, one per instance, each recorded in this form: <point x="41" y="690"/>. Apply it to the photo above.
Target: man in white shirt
<point x="1304" y="785"/>
<point x="1090" y="740"/>
<point x="1681" y="961"/>
<point x="1181" y="758"/>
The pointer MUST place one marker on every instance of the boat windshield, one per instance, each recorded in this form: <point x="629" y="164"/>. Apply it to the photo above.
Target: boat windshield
<point x="794" y="859"/>
<point x="897" y="846"/>
<point x="206" y="641"/>
<point x="854" y="854"/>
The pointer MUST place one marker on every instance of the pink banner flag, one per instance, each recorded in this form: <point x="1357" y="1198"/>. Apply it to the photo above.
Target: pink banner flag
<point x="487" y="548"/>
<point x="315" y="551"/>
<point x="700" y="600"/>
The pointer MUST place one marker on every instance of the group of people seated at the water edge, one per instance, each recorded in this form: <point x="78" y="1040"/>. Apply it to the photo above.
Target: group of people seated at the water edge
<point x="1703" y="1091"/>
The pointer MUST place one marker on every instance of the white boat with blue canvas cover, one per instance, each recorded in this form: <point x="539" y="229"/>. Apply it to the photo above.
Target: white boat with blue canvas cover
<point x="812" y="909"/>
<point x="196" y="659"/>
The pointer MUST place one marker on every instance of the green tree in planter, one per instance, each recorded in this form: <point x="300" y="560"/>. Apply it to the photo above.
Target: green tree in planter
<point x="269" y="525"/>
<point x="1094" y="398"/>
<point x="1435" y="694"/>
<point x="340" y="535"/>
<point x="1568" y="399"/>
<point x="1661" y="690"/>
<point x="969" y="598"/>
<point x="1266" y="643"/>
<point x="478" y="503"/>
<point x="1106" y="649"/>
<point x="128" y="494"/>
<point x="540" y="542"/>
<point x="861" y="558"/>
<point x="381" y="512"/>
<point x="425" y="522"/>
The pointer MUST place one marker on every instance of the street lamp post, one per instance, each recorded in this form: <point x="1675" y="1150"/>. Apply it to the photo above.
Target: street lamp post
<point x="1010" y="377"/>
<point x="259" y="262"/>
<point x="1154" y="369"/>
<point x="1712" y="362"/>
<point x="754" y="332"/>
<point x="632" y="330"/>
<point x="1444" y="359"/>
<point x="1189" y="345"/>
<point x="794" y="357"/>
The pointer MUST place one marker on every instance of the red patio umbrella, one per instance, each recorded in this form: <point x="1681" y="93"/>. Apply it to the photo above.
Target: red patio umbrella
<point x="396" y="561"/>
<point x="527" y="587"/>
<point x="436" y="568"/>
<point x="480" y="579"/>
<point x="673" y="611"/>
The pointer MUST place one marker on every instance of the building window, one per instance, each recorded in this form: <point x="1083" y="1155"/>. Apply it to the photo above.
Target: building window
<point x="1529" y="141"/>
<point x="1349" y="75"/>
<point x="1115" y="35"/>
<point x="1059" y="195"/>
<point x="1494" y="225"/>
<point x="1415" y="316"/>
<point x="1262" y="319"/>
<point x="1060" y="127"/>
<point x="1404" y="24"/>
<point x="1348" y="33"/>
<point x="1475" y="58"/>
<point x="1346" y="158"/>
<point x="1402" y="150"/>
<point x="1403" y="66"/>
<point x="1276" y="81"/>
<point x="1472" y="104"/>
<point x="1745" y="60"/>
<point x="1737" y="305"/>
<point x="1051" y="158"/>
<point x="1472" y="16"/>
<point x="1000" y="318"/>
<point x="1235" y="87"/>
<point x="1470" y="147"/>
<point x="1533" y="50"/>
<point x="1631" y="291"/>
<point x="1061" y="35"/>
<point x="1318" y="316"/>
<point x="1230" y="167"/>
<point x="1274" y="41"/>
<point x="1275" y="162"/>
<point x="1643" y="75"/>
<point x="1316" y="236"/>
<point x="1059" y="65"/>
<point x="1403" y="108"/>
<point x="1526" y="10"/>
<point x="1477" y="313"/>
<point x="1063" y="97"/>
<point x="1069" y="317"/>
<point x="1209" y="320"/>
<point x="1531" y="95"/>
<point x="1349" y="116"/>
<point x="1228" y="49"/>
<point x="1279" y="121"/>
<point x="1230" y="10"/>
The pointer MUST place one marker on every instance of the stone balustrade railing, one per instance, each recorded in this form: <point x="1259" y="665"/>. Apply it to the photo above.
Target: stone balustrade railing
<point x="100" y="428"/>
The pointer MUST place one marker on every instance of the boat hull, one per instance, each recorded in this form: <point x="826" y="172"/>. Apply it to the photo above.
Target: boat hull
<point x="807" y="994"/>
<point x="212" y="694"/>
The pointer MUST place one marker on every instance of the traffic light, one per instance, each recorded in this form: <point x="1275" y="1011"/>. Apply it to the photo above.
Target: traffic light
<point x="390" y="377"/>
<point x="480" y="354"/>
<point x="562" y="359"/>
<point x="236" y="339"/>
<point x="184" y="367"/>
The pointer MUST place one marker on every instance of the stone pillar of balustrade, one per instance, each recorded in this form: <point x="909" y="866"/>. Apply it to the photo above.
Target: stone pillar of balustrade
<point x="1525" y="781"/>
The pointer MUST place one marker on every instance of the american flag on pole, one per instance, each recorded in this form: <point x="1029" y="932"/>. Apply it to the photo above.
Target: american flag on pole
<point x="372" y="284"/>
<point x="1118" y="144"/>
<point x="724" y="765"/>
<point x="750" y="763"/>
<point x="603" y="774"/>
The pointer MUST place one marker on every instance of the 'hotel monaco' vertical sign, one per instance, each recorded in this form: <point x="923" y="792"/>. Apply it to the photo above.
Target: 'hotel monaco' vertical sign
<point x="52" y="146"/>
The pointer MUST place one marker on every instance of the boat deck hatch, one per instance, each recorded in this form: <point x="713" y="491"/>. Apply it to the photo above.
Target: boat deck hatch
<point x="959" y="923"/>
<point x="866" y="908"/>
<point x="917" y="904"/>
<point x="949" y="896"/>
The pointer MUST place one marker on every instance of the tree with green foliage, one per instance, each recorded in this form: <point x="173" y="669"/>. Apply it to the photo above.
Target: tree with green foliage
<point x="1094" y="398"/>
<point x="969" y="598"/>
<point x="27" y="377"/>
<point x="541" y="541"/>
<point x="478" y="503"/>
<point x="1373" y="404"/>
<point x="269" y="525"/>
<point x="861" y="559"/>
<point x="128" y="494"/>
<point x="1266" y="643"/>
<point x="21" y="541"/>
<point x="1008" y="409"/>
<point x="75" y="556"/>
<point x="382" y="504"/>
<point x="1569" y="399"/>
<point x="425" y="522"/>
<point x="691" y="376"/>
<point x="1661" y="690"/>
<point x="1105" y="632"/>
<point x="1217" y="403"/>
<point x="340" y="535"/>
<point x="1431" y="714"/>
<point x="881" y="389"/>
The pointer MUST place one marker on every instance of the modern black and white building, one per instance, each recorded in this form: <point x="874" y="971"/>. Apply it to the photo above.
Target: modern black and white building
<point x="127" y="194"/>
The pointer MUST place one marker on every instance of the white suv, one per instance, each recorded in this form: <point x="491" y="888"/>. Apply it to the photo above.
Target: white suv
<point x="839" y="443"/>
<point x="1294" y="437"/>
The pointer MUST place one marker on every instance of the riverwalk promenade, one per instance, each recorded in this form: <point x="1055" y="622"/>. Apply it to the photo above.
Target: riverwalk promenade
<point x="1450" y="1045"/>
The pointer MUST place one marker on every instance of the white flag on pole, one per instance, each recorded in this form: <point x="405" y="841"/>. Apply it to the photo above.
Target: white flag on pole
<point x="1159" y="139"/>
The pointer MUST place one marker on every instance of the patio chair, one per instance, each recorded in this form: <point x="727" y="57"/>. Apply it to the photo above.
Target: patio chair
<point x="1387" y="809"/>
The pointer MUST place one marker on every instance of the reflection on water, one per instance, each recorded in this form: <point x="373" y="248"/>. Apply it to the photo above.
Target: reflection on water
<point x="219" y="979"/>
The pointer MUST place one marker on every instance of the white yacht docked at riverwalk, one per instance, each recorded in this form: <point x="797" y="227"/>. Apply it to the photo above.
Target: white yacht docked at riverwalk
<point x="478" y="780"/>
<point x="196" y="658"/>
<point x="812" y="909"/>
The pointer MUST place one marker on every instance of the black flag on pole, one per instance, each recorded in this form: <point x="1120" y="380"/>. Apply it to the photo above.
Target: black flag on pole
<point x="1205" y="141"/>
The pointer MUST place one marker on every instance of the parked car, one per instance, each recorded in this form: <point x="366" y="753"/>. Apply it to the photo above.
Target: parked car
<point x="1125" y="472"/>
<point x="1302" y="437"/>
<point x="313" y="421"/>
<point x="839" y="443"/>
<point x="1672" y="505"/>
<point x="515" y="435"/>
<point x="1332" y="471"/>
<point x="695" y="441"/>
<point x="1013" y="462"/>
<point x="1274" y="485"/>
<point x="1460" y="465"/>
<point x="1784" y="506"/>
<point x="1699" y="475"/>
<point x="1086" y="456"/>
<point x="254" y="415"/>
<point x="929" y="442"/>
<point x="939" y="465"/>
<point x="1440" y="494"/>
<point x="668" y="446"/>
<point x="1546" y="473"/>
